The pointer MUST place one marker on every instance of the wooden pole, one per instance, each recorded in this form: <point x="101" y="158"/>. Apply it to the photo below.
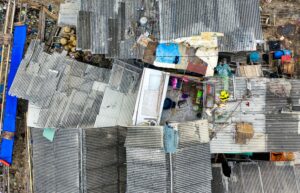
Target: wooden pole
<point x="6" y="51"/>
<point x="28" y="142"/>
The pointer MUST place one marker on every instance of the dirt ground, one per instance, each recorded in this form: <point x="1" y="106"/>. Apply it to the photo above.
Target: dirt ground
<point x="19" y="171"/>
<point x="284" y="16"/>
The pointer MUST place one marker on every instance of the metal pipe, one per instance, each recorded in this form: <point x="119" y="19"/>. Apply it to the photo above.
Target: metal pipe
<point x="171" y="173"/>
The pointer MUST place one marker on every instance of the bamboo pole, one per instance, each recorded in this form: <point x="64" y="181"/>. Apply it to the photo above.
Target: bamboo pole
<point x="9" y="23"/>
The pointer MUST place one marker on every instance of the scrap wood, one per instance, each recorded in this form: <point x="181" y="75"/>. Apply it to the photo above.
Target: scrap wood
<point x="250" y="71"/>
<point x="244" y="131"/>
<point x="38" y="6"/>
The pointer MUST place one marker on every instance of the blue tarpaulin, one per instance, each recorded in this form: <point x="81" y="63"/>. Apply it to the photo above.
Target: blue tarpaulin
<point x="10" y="111"/>
<point x="170" y="139"/>
<point x="168" y="53"/>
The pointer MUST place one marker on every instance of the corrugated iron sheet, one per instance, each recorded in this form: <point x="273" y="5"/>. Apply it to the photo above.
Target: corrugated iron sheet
<point x="283" y="128"/>
<point x="114" y="27"/>
<point x="219" y="182"/>
<point x="98" y="12"/>
<point x="274" y="129"/>
<point x="187" y="164"/>
<point x="264" y="177"/>
<point x="83" y="31"/>
<point x="56" y="165"/>
<point x="104" y="159"/>
<point x="146" y="170"/>
<point x="238" y="20"/>
<point x="125" y="77"/>
<point x="193" y="133"/>
<point x="68" y="12"/>
<point x="126" y="29"/>
<point x="64" y="89"/>
<point x="80" y="160"/>
<point x="145" y="137"/>
<point x="149" y="168"/>
<point x="224" y="142"/>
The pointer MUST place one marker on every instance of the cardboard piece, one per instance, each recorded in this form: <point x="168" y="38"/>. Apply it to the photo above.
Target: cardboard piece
<point x="244" y="132"/>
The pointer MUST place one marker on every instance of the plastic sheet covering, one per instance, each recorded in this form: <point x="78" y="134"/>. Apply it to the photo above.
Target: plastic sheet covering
<point x="170" y="139"/>
<point x="10" y="111"/>
<point x="168" y="53"/>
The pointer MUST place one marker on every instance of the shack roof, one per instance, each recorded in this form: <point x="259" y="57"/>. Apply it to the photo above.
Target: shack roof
<point x="261" y="176"/>
<point x="275" y="125"/>
<point x="113" y="27"/>
<point x="67" y="93"/>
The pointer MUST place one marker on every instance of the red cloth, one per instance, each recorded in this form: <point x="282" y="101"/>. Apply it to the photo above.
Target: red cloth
<point x="5" y="163"/>
<point x="286" y="58"/>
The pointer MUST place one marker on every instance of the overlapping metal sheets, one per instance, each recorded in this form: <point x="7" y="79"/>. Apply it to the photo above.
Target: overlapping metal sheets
<point x="255" y="177"/>
<point x="63" y="88"/>
<point x="80" y="160"/>
<point x="238" y="20"/>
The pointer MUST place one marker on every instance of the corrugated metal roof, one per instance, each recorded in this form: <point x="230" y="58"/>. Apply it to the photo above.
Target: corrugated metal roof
<point x="80" y="160"/>
<point x="71" y="94"/>
<point x="193" y="133"/>
<point x="83" y="31"/>
<point x="145" y="137"/>
<point x="264" y="112"/>
<point x="238" y="20"/>
<point x="219" y="181"/>
<point x="125" y="77"/>
<point x="126" y="29"/>
<point x="149" y="168"/>
<point x="187" y="164"/>
<point x="282" y="128"/>
<point x="114" y="26"/>
<point x="68" y="12"/>
<point x="275" y="177"/>
<point x="146" y="170"/>
<point x="93" y="22"/>
<point x="56" y="164"/>
<point x="64" y="89"/>
<point x="104" y="160"/>
<point x="255" y="177"/>
<point x="224" y="142"/>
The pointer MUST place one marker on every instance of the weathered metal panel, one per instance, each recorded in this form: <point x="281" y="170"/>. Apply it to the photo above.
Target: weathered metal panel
<point x="219" y="182"/>
<point x="187" y="162"/>
<point x="64" y="89"/>
<point x="282" y="126"/>
<point x="238" y="20"/>
<point x="56" y="164"/>
<point x="100" y="12"/>
<point x="104" y="160"/>
<point x="80" y="160"/>
<point x="264" y="177"/>
<point x="145" y="137"/>
<point x="146" y="175"/>
<point x="251" y="109"/>
<point x="224" y="142"/>
<point x="68" y="12"/>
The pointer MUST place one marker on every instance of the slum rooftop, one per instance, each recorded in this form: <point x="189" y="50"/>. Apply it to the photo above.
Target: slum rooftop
<point x="113" y="27"/>
<point x="113" y="129"/>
